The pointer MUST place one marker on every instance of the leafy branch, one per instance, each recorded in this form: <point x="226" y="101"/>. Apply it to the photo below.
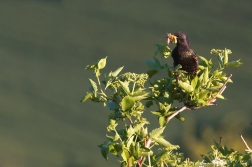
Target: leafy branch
<point x="125" y="95"/>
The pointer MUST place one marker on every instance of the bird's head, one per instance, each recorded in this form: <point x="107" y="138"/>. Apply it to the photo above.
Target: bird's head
<point x="179" y="38"/>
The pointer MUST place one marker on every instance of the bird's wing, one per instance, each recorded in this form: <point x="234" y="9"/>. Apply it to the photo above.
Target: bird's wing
<point x="195" y="58"/>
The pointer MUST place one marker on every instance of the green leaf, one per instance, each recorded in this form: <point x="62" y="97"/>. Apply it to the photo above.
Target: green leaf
<point x="125" y="86"/>
<point x="220" y="61"/>
<point x="164" y="50"/>
<point x="225" y="58"/>
<point x="224" y="79"/>
<point x="154" y="65"/>
<point x="93" y="85"/>
<point x="87" y="96"/>
<point x="163" y="142"/>
<point x="234" y="64"/>
<point x="220" y="96"/>
<point x="152" y="73"/>
<point x="156" y="132"/>
<point x="111" y="105"/>
<point x="127" y="103"/>
<point x="205" y="76"/>
<point x="158" y="113"/>
<point x="162" y="121"/>
<point x="139" y="126"/>
<point x="201" y="67"/>
<point x="116" y="72"/>
<point x="185" y="86"/>
<point x="140" y="95"/>
<point x="102" y="63"/>
<point x="179" y="117"/>
<point x="130" y="131"/>
<point x="203" y="93"/>
<point x="90" y="67"/>
<point x="163" y="108"/>
<point x="202" y="102"/>
<point x="104" y="149"/>
<point x="150" y="64"/>
<point x="216" y="73"/>
<point x="205" y="158"/>
<point x="145" y="152"/>
<point x="204" y="60"/>
<point x="149" y="103"/>
<point x="194" y="82"/>
<point x="125" y="155"/>
<point x="129" y="141"/>
<point x="144" y="132"/>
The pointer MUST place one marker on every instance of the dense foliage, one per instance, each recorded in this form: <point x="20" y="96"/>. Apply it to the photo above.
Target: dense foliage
<point x="126" y="95"/>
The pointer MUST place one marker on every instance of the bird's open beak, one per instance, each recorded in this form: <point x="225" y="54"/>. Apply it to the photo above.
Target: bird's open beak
<point x="171" y="38"/>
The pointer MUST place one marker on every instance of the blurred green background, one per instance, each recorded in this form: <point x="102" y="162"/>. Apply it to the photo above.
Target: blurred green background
<point x="46" y="44"/>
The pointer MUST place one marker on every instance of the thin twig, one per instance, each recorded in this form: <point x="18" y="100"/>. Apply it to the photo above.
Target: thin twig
<point x="131" y="122"/>
<point x="248" y="149"/>
<point x="211" y="102"/>
<point x="142" y="158"/>
<point x="176" y="113"/>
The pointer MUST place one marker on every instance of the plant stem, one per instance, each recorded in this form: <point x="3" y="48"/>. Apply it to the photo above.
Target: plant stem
<point x="100" y="86"/>
<point x="176" y="113"/>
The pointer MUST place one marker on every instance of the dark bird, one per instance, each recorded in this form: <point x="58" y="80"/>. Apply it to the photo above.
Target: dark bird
<point x="182" y="54"/>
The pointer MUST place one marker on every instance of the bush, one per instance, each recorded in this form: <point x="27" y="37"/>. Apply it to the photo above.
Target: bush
<point x="126" y="96"/>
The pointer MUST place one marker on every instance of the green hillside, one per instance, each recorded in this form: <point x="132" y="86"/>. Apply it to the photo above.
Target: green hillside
<point x="46" y="44"/>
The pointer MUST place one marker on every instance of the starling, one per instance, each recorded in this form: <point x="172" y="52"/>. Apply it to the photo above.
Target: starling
<point x="182" y="54"/>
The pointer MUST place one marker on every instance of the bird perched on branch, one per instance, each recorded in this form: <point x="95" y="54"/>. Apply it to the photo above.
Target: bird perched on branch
<point x="182" y="54"/>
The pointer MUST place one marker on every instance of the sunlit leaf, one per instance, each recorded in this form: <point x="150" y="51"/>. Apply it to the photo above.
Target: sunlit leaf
<point x="225" y="58"/>
<point x="162" y="121"/>
<point x="116" y="72"/>
<point x="102" y="63"/>
<point x="220" y="61"/>
<point x="125" y="87"/>
<point x="125" y="155"/>
<point x="224" y="79"/>
<point x="130" y="131"/>
<point x="201" y="67"/>
<point x="164" y="50"/>
<point x="179" y="117"/>
<point x="220" y="96"/>
<point x="140" y="95"/>
<point x="127" y="103"/>
<point x="162" y="141"/>
<point x="156" y="132"/>
<point x="158" y="113"/>
<point x="202" y="102"/>
<point x="205" y="76"/>
<point x="93" y="85"/>
<point x="194" y="82"/>
<point x="129" y="141"/>
<point x="144" y="132"/>
<point x="234" y="64"/>
<point x="185" y="86"/>
<point x="87" y="96"/>
<point x="204" y="60"/>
